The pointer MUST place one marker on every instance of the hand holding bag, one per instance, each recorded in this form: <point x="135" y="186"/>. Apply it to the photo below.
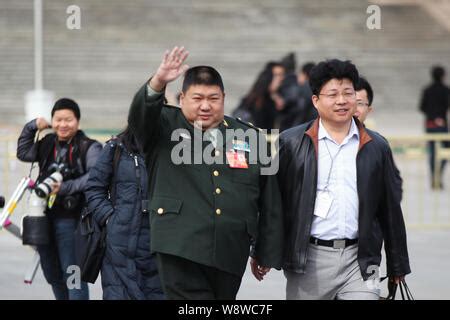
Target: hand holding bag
<point x="393" y="288"/>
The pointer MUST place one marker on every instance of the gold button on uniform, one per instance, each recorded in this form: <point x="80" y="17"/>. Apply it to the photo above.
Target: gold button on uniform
<point x="218" y="191"/>
<point x="218" y="211"/>
<point x="160" y="211"/>
<point x="216" y="173"/>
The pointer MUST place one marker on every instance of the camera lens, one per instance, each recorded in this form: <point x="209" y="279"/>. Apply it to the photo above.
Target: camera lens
<point x="43" y="189"/>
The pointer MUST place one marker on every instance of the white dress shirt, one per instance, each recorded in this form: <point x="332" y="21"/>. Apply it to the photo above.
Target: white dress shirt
<point x="341" y="220"/>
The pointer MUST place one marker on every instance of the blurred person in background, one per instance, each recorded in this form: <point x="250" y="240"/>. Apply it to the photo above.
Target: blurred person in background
<point x="306" y="94"/>
<point x="289" y="110"/>
<point x="260" y="105"/>
<point x="434" y="104"/>
<point x="296" y="95"/>
<point x="364" y="99"/>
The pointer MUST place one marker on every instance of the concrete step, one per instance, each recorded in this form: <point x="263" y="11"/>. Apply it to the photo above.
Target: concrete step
<point x="120" y="44"/>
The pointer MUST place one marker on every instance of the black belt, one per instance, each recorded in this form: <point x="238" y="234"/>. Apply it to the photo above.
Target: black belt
<point x="337" y="244"/>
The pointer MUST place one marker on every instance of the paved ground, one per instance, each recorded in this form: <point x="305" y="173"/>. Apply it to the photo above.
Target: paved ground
<point x="430" y="279"/>
<point x="424" y="210"/>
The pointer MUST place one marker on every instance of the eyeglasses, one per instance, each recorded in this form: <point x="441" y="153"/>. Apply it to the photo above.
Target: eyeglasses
<point x="361" y="104"/>
<point x="334" y="96"/>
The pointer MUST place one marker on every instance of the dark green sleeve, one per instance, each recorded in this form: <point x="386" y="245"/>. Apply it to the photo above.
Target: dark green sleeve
<point x="144" y="117"/>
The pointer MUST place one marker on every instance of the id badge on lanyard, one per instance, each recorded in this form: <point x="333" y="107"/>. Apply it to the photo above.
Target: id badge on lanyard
<point x="323" y="203"/>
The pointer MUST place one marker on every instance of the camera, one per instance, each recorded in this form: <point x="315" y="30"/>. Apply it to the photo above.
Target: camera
<point x="62" y="168"/>
<point x="45" y="187"/>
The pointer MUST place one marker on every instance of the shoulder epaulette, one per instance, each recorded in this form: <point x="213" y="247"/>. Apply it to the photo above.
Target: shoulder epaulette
<point x="248" y="124"/>
<point x="171" y="106"/>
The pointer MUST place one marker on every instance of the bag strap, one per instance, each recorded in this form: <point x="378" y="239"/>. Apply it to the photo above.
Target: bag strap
<point x="84" y="146"/>
<point x="408" y="293"/>
<point x="401" y="290"/>
<point x="404" y="290"/>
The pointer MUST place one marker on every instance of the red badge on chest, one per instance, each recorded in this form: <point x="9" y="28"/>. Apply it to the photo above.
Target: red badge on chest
<point x="236" y="159"/>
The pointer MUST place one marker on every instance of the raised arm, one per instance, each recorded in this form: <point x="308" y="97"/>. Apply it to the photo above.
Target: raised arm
<point x="170" y="68"/>
<point x="145" y="111"/>
<point x="27" y="149"/>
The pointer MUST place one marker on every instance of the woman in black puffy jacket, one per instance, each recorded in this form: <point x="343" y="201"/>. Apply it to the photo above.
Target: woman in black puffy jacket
<point x="118" y="199"/>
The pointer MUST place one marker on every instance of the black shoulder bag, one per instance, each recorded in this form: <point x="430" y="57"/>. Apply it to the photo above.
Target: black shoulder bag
<point x="90" y="238"/>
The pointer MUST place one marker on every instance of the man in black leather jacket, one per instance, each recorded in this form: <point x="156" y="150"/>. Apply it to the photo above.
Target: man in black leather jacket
<point x="340" y="197"/>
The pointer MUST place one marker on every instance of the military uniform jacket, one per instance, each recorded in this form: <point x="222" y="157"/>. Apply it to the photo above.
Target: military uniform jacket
<point x="206" y="213"/>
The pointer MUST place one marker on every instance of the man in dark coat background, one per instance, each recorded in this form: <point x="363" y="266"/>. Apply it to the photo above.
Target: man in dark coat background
<point x="434" y="104"/>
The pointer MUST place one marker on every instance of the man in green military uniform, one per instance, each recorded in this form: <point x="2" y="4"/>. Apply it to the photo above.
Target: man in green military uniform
<point x="204" y="214"/>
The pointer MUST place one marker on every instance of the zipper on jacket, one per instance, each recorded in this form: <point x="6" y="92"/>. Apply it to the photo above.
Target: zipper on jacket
<point x="138" y="173"/>
<point x="139" y="202"/>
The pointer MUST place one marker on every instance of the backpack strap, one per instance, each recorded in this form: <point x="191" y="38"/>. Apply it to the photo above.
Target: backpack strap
<point x="84" y="147"/>
<point x="83" y="143"/>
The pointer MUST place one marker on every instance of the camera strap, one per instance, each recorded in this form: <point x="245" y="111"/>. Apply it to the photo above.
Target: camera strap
<point x="32" y="163"/>
<point x="60" y="153"/>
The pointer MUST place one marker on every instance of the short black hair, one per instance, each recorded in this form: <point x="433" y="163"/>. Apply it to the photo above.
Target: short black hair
<point x="289" y="62"/>
<point x="69" y="104"/>
<point x="324" y="71"/>
<point x="363" y="84"/>
<point x="437" y="73"/>
<point x="306" y="68"/>
<point x="202" y="75"/>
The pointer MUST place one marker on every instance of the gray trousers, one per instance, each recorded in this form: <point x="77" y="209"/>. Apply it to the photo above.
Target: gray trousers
<point x="331" y="274"/>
